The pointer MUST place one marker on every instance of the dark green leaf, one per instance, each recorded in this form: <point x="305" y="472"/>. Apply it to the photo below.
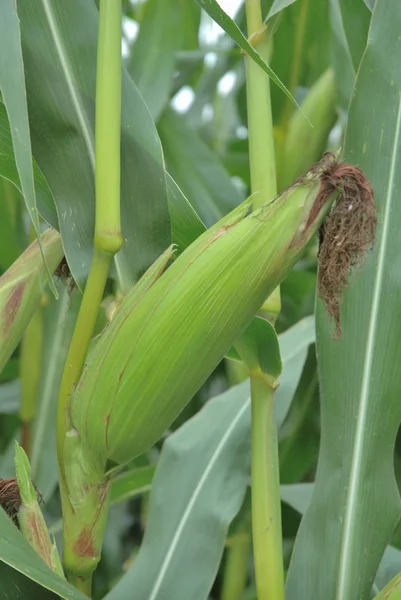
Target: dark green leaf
<point x="12" y="231"/>
<point x="294" y="344"/>
<point x="8" y="170"/>
<point x="12" y="87"/>
<point x="15" y="586"/>
<point x="59" y="45"/>
<point x="198" y="488"/>
<point x="259" y="348"/>
<point x="166" y="27"/>
<point x="17" y="553"/>
<point x="355" y="17"/>
<point x="277" y="6"/>
<point x="186" y="226"/>
<point x="342" y="61"/>
<point x="131" y="483"/>
<point x="359" y="374"/>
<point x="196" y="169"/>
<point x="10" y="397"/>
<point x="59" y="320"/>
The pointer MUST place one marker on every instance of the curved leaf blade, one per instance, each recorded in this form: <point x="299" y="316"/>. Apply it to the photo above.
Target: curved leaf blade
<point x="18" y="554"/>
<point x="197" y="489"/>
<point x="59" y="45"/>
<point x="210" y="445"/>
<point x="12" y="86"/>
<point x="212" y="8"/>
<point x="8" y="170"/>
<point x="360" y="379"/>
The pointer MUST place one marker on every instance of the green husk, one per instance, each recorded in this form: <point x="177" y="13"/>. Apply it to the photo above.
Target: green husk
<point x="304" y="144"/>
<point x="154" y="357"/>
<point x="21" y="289"/>
<point x="30" y="518"/>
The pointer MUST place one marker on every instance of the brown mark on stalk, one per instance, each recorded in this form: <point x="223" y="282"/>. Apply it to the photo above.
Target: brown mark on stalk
<point x="84" y="545"/>
<point x="347" y="233"/>
<point x="12" y="306"/>
<point x="10" y="498"/>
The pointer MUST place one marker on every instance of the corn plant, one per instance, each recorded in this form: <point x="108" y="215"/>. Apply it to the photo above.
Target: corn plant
<point x="184" y="284"/>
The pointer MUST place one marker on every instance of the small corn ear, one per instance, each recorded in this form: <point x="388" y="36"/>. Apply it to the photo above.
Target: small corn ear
<point x="304" y="144"/>
<point x="30" y="518"/>
<point x="21" y="290"/>
<point x="154" y="357"/>
<point x="392" y="591"/>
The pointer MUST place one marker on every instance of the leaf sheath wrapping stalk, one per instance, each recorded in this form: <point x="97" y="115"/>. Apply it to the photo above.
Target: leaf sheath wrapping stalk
<point x="159" y="349"/>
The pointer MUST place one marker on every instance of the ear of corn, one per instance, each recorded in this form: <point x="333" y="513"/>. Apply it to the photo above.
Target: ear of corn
<point x="392" y="591"/>
<point x="304" y="144"/>
<point x="161" y="347"/>
<point x="21" y="290"/>
<point x="30" y="518"/>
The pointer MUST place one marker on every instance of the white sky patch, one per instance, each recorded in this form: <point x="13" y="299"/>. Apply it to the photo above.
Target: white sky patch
<point x="226" y="83"/>
<point x="183" y="99"/>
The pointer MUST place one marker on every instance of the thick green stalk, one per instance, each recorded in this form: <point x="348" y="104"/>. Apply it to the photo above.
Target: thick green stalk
<point x="266" y="510"/>
<point x="83" y="493"/>
<point x="266" y="520"/>
<point x="83" y="584"/>
<point x="260" y="126"/>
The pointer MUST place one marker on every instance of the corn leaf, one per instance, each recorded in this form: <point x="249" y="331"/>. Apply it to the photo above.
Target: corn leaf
<point x="131" y="483"/>
<point x="200" y="480"/>
<point x="12" y="87"/>
<point x="166" y="27"/>
<point x="18" y="554"/>
<point x="59" y="41"/>
<point x="212" y="449"/>
<point x="196" y="169"/>
<point x="359" y="375"/>
<point x="59" y="320"/>
<point x="213" y="9"/>
<point x="299" y="495"/>
<point x="278" y="6"/>
<point x="10" y="397"/>
<point x="9" y="170"/>
<point x="355" y="17"/>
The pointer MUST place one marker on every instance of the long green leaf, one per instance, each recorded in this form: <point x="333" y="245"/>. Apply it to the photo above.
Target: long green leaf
<point x="59" y="321"/>
<point x="59" y="42"/>
<point x="207" y="448"/>
<point x="196" y="169"/>
<point x="359" y="375"/>
<point x="278" y="6"/>
<point x="10" y="397"/>
<point x="15" y="586"/>
<point x="299" y="495"/>
<point x="12" y="87"/>
<point x="197" y="489"/>
<point x="166" y="27"/>
<point x="214" y="10"/>
<point x="186" y="225"/>
<point x="355" y="18"/>
<point x="17" y="553"/>
<point x="9" y="170"/>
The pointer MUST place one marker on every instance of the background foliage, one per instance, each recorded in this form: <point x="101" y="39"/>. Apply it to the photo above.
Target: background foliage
<point x="179" y="526"/>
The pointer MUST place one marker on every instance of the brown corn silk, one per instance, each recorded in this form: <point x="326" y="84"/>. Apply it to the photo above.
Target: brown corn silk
<point x="347" y="233"/>
<point x="10" y="498"/>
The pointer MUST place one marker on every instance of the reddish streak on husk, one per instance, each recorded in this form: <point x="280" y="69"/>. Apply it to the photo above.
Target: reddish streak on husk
<point x="84" y="545"/>
<point x="12" y="306"/>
